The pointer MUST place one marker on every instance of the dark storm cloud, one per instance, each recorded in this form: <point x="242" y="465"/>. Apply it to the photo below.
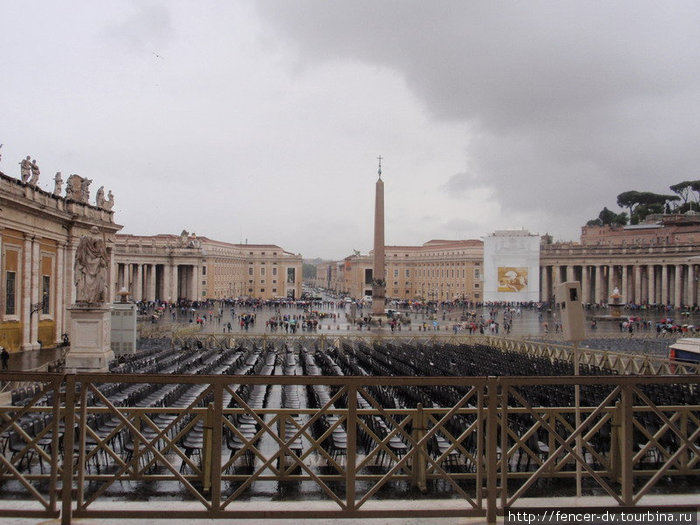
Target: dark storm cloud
<point x="569" y="103"/>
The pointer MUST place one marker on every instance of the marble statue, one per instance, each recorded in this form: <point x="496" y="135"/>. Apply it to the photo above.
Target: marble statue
<point x="90" y="269"/>
<point x="109" y="203"/>
<point x="183" y="237"/>
<point x="85" y="190"/>
<point x="100" y="197"/>
<point x="35" y="173"/>
<point x="74" y="187"/>
<point x="58" y="183"/>
<point x="25" y="168"/>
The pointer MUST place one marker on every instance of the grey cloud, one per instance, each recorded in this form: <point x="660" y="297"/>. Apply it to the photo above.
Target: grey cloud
<point x="459" y="184"/>
<point x="144" y="29"/>
<point x="571" y="102"/>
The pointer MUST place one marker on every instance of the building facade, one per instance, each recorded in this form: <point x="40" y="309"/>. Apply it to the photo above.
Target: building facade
<point x="169" y="268"/>
<point x="39" y="233"/>
<point x="654" y="263"/>
<point x="439" y="270"/>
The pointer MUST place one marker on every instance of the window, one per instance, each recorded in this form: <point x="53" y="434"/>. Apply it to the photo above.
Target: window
<point x="262" y="281"/>
<point x="46" y="294"/>
<point x="10" y="293"/>
<point x="408" y="273"/>
<point x="250" y="270"/>
<point x="396" y="273"/>
<point x="291" y="275"/>
<point x="262" y="290"/>
<point x="274" y="290"/>
<point x="204" y="270"/>
<point x="274" y="270"/>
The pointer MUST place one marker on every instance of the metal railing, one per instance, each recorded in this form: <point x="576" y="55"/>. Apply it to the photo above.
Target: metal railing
<point x="74" y="445"/>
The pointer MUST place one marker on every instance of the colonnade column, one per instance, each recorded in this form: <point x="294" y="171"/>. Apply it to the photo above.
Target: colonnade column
<point x="664" y="284"/>
<point x="651" y="297"/>
<point x="599" y="298"/>
<point x="692" y="288"/>
<point x="59" y="304"/>
<point x="569" y="273"/>
<point x="138" y="288"/>
<point x="638" y="284"/>
<point x="175" y="277"/>
<point x="544" y="284"/>
<point x="68" y="286"/>
<point x="624" y="288"/>
<point x="195" y="283"/>
<point x="677" y="289"/>
<point x="26" y="294"/>
<point x="37" y="291"/>
<point x="166" y="288"/>
<point x="585" y="286"/>
<point x="611" y="277"/>
<point x="152" y="282"/>
<point x="113" y="279"/>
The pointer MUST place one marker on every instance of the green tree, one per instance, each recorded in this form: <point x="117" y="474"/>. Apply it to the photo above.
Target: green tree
<point x="620" y="219"/>
<point x="607" y="217"/>
<point x="628" y="199"/>
<point x="682" y="189"/>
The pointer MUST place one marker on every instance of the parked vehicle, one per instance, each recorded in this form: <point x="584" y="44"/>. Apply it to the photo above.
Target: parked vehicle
<point x="686" y="349"/>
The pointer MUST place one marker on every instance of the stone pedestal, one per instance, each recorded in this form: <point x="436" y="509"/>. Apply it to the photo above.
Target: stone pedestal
<point x="90" y="349"/>
<point x="123" y="332"/>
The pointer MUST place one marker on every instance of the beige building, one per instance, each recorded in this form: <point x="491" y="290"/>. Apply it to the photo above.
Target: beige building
<point x="657" y="262"/>
<point x="39" y="233"/>
<point x="170" y="268"/>
<point x="439" y="270"/>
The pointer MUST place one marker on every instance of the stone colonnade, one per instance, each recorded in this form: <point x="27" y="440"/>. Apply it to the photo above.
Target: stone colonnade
<point x="671" y="284"/>
<point x="158" y="282"/>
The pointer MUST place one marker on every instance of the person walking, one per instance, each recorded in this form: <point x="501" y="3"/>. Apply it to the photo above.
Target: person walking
<point x="4" y="357"/>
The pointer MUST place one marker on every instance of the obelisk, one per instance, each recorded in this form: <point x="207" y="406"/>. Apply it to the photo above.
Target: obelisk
<point x="378" y="277"/>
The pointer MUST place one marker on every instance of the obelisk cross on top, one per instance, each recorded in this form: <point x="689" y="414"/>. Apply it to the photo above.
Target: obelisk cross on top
<point x="378" y="277"/>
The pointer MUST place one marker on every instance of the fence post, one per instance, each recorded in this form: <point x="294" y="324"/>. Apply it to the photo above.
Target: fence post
<point x="217" y="437"/>
<point x="68" y="440"/>
<point x="491" y="452"/>
<point x="352" y="447"/>
<point x="615" y="443"/>
<point x="206" y="453"/>
<point x="420" y="457"/>
<point x="627" y="444"/>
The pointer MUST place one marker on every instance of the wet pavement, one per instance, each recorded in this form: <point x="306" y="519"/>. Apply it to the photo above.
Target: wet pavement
<point x="525" y="323"/>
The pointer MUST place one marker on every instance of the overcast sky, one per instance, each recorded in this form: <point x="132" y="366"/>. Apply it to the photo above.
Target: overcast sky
<point x="263" y="120"/>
